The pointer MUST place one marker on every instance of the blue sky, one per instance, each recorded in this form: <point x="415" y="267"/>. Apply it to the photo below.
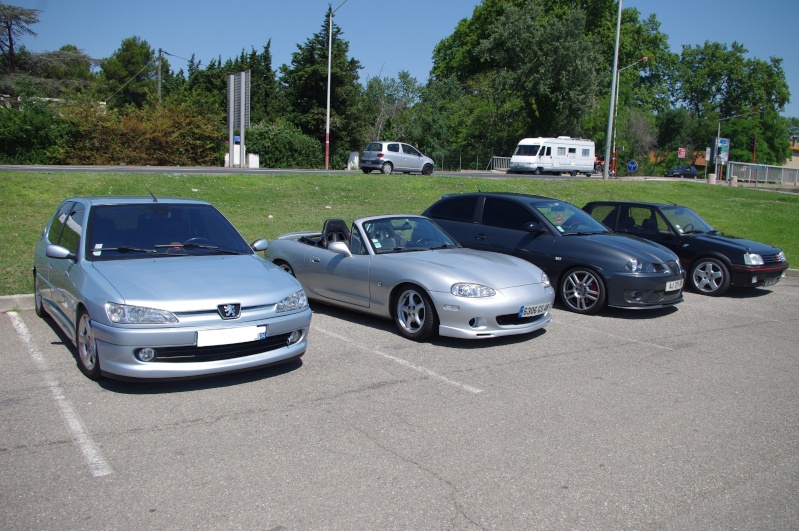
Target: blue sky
<point x="385" y="36"/>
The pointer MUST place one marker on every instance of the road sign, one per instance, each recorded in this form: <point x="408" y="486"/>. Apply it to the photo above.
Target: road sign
<point x="632" y="166"/>
<point x="681" y="153"/>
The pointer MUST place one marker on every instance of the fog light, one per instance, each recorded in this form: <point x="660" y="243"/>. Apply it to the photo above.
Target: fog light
<point x="146" y="354"/>
<point x="754" y="280"/>
<point x="294" y="337"/>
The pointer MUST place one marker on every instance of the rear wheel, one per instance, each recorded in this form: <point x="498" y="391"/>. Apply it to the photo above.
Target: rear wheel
<point x="414" y="314"/>
<point x="427" y="170"/>
<point x="573" y="173"/>
<point x="710" y="276"/>
<point x="537" y="171"/>
<point x="88" y="359"/>
<point x="583" y="291"/>
<point x="387" y="168"/>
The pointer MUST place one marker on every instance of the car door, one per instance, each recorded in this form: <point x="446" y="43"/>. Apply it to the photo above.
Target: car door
<point x="64" y="275"/>
<point x="412" y="158"/>
<point x="505" y="228"/>
<point x="336" y="276"/>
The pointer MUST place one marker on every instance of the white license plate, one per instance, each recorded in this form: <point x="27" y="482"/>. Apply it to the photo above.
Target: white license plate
<point x="674" y="285"/>
<point x="531" y="311"/>
<point x="230" y="336"/>
<point x="770" y="281"/>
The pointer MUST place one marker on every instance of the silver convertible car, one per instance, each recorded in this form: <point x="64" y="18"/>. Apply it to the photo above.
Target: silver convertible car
<point x="164" y="288"/>
<point x="405" y="268"/>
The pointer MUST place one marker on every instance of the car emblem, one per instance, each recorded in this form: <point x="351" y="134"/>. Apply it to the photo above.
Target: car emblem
<point x="229" y="311"/>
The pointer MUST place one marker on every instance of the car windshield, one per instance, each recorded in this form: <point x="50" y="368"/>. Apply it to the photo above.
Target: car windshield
<point x="119" y="232"/>
<point x="568" y="219"/>
<point x="403" y="234"/>
<point x="686" y="221"/>
<point x="527" y="149"/>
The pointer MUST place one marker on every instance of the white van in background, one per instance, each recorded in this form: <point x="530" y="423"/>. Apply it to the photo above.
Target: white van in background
<point x="553" y="155"/>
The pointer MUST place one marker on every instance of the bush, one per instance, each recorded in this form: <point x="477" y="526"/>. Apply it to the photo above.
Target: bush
<point x="30" y="133"/>
<point x="283" y="145"/>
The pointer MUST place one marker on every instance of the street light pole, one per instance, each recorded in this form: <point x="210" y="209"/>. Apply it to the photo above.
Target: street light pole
<point x="609" y="132"/>
<point x="329" y="62"/>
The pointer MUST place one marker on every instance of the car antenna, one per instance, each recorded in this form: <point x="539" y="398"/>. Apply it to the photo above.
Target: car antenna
<point x="155" y="199"/>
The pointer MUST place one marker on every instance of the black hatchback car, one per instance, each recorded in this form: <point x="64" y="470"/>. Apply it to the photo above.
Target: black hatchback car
<point x="682" y="171"/>
<point x="590" y="266"/>
<point x="713" y="260"/>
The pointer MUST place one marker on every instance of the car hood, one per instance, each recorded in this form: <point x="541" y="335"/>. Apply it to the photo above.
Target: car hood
<point x="626" y="245"/>
<point x="191" y="283"/>
<point x="734" y="242"/>
<point x="469" y="265"/>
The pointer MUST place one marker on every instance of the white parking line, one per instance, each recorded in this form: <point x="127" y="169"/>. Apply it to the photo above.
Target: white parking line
<point x="404" y="363"/>
<point x="91" y="453"/>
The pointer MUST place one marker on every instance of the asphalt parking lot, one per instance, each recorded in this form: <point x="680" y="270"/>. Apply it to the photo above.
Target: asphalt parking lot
<point x="684" y="418"/>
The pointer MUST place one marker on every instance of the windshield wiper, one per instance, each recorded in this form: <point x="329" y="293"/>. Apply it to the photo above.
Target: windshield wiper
<point x="443" y="246"/>
<point x="214" y="248"/>
<point x="123" y="249"/>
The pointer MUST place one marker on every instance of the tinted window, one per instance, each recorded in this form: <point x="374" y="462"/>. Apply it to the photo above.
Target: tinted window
<point x="455" y="209"/>
<point x="394" y="148"/>
<point x="605" y="214"/>
<point x="527" y="149"/>
<point x="73" y="228"/>
<point x="410" y="150"/>
<point x="57" y="225"/>
<point x="506" y="214"/>
<point x="374" y="146"/>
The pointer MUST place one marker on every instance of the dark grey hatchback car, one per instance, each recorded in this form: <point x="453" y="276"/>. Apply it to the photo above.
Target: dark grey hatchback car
<point x="590" y="266"/>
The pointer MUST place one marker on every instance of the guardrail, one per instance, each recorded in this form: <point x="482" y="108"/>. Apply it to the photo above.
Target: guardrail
<point x="762" y="174"/>
<point x="498" y="164"/>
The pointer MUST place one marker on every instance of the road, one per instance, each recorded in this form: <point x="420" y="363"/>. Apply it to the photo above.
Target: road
<point x="684" y="418"/>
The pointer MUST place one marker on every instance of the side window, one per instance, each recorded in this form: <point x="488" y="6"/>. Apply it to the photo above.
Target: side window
<point x="586" y="152"/>
<point x="394" y="148"/>
<point x="410" y="150"/>
<point x="605" y="214"/>
<point x="572" y="151"/>
<point x="356" y="245"/>
<point x="561" y="151"/>
<point x="506" y="214"/>
<point x="549" y="151"/>
<point x="54" y="233"/>
<point x="456" y="209"/>
<point x="73" y="228"/>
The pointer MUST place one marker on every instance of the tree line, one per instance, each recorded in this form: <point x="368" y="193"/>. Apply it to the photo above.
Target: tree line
<point x="514" y="69"/>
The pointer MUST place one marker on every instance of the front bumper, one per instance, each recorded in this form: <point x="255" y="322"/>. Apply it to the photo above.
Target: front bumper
<point x="753" y="277"/>
<point x="180" y="357"/>
<point x="643" y="290"/>
<point x="497" y="316"/>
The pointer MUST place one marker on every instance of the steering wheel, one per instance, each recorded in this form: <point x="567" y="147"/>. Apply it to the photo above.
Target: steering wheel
<point x="686" y="229"/>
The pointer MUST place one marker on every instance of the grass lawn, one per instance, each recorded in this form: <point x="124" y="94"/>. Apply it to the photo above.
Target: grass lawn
<point x="269" y="205"/>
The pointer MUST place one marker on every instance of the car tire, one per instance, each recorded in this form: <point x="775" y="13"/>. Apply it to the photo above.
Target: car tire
<point x="414" y="313"/>
<point x="38" y="306"/>
<point x="583" y="291"/>
<point x="387" y="168"/>
<point x="285" y="267"/>
<point x="366" y="170"/>
<point x="573" y="173"/>
<point x="427" y="169"/>
<point x="88" y="359"/>
<point x="709" y="276"/>
<point x="537" y="171"/>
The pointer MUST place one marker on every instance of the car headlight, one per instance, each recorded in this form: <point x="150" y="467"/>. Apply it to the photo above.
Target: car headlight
<point x="296" y="301"/>
<point x="781" y="256"/>
<point x="640" y="266"/>
<point x="753" y="259"/>
<point x="545" y="280"/>
<point x="472" y="290"/>
<point x="126" y="314"/>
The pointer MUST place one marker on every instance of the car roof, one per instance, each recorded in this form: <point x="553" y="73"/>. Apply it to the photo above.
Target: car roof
<point x="508" y="195"/>
<point x="132" y="200"/>
<point x="637" y="203"/>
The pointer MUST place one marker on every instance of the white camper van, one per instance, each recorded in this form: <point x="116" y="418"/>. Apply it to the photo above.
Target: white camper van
<point x="553" y="155"/>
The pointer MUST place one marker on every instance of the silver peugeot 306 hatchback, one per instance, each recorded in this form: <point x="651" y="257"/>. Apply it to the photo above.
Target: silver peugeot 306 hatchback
<point x="164" y="288"/>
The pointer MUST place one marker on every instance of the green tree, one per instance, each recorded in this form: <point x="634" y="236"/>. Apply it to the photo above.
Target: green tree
<point x="304" y="86"/>
<point x="15" y="22"/>
<point x="385" y="106"/>
<point x="129" y="75"/>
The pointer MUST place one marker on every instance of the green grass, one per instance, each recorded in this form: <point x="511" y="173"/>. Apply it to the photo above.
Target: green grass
<point x="269" y="205"/>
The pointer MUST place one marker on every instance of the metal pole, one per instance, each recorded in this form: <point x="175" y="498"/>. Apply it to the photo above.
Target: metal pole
<point x="231" y="109"/>
<point x="329" y="63"/>
<point x="609" y="132"/>
<point x="160" y="59"/>
<point x="243" y="106"/>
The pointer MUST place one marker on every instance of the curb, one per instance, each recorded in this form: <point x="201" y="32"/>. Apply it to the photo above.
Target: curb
<point x="10" y="303"/>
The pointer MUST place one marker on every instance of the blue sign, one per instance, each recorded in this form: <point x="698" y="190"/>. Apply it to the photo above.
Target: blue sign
<point x="632" y="166"/>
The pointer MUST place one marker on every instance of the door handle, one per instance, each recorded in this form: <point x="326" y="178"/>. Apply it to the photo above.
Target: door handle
<point x="315" y="260"/>
<point x="480" y="237"/>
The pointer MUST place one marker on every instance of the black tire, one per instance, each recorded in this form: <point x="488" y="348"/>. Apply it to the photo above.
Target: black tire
<point x="366" y="170"/>
<point x="573" y="173"/>
<point x="709" y="276"/>
<point x="598" y="168"/>
<point x="427" y="169"/>
<point x="414" y="314"/>
<point x="583" y="291"/>
<point x="537" y="171"/>
<point x="88" y="358"/>
<point x="285" y="267"/>
<point x="387" y="168"/>
<point x="37" y="298"/>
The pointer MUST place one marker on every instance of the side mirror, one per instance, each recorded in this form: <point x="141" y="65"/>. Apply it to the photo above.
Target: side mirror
<point x="339" y="248"/>
<point x="58" y="252"/>
<point x="260" y="245"/>
<point x="534" y="226"/>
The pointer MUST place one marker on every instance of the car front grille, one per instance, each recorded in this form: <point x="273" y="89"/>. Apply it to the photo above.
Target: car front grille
<point x="220" y="352"/>
<point x="664" y="296"/>
<point x="769" y="259"/>
<point x="514" y="319"/>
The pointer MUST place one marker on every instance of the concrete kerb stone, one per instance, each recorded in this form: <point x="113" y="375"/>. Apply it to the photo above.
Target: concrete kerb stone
<point x="10" y="303"/>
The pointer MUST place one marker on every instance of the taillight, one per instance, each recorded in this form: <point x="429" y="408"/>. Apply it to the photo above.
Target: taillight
<point x="380" y="155"/>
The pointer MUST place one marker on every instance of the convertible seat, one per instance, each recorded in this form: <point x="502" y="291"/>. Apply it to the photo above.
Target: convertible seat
<point x="335" y="230"/>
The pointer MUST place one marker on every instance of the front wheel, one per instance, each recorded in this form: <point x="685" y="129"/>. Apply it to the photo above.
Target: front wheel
<point x="285" y="267"/>
<point x="366" y="170"/>
<point x="38" y="305"/>
<point x="414" y="314"/>
<point x="387" y="168"/>
<point x="88" y="360"/>
<point x="427" y="170"/>
<point x="573" y="173"/>
<point x="537" y="171"/>
<point x="583" y="291"/>
<point x="710" y="276"/>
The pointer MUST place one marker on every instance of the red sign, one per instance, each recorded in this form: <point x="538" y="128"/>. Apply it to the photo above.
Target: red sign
<point x="681" y="152"/>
